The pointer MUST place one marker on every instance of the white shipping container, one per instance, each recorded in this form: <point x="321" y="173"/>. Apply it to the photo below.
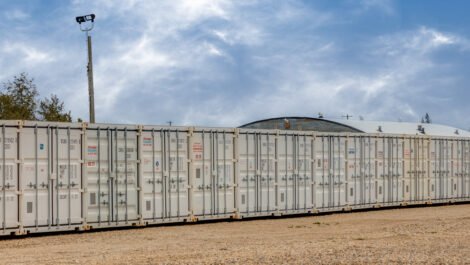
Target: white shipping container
<point x="65" y="176"/>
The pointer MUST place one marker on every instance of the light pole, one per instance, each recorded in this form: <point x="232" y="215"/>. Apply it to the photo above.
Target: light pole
<point x="87" y="29"/>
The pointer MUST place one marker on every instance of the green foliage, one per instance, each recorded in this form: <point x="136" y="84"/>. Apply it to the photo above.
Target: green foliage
<point x="19" y="101"/>
<point x="426" y="118"/>
<point x="6" y="107"/>
<point x="53" y="110"/>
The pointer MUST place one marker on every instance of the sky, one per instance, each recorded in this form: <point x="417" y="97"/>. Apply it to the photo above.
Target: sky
<point x="227" y="63"/>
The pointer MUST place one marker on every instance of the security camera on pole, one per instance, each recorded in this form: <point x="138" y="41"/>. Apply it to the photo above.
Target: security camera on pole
<point x="87" y="27"/>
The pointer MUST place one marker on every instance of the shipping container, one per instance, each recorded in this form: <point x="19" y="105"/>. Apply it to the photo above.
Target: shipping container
<point x="78" y="176"/>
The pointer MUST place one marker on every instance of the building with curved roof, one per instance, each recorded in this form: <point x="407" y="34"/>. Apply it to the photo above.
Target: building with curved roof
<point x="355" y="126"/>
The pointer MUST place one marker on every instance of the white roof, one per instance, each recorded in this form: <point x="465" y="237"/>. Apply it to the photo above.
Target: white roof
<point x="404" y="128"/>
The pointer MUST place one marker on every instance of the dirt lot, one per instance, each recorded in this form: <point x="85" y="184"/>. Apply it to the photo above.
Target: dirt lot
<point x="412" y="235"/>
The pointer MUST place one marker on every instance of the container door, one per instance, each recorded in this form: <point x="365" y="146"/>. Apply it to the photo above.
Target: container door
<point x="66" y="171"/>
<point x="99" y="175"/>
<point x="288" y="162"/>
<point x="336" y="181"/>
<point x="304" y="172"/>
<point x="455" y="169"/>
<point x="165" y="174"/>
<point x="223" y="160"/>
<point x="322" y="171"/>
<point x="424" y="169"/>
<point x="420" y="169"/>
<point x="466" y="169"/>
<point x="391" y="169"/>
<point x="351" y="170"/>
<point x="460" y="169"/>
<point x="382" y="170"/>
<point x="369" y="174"/>
<point x="36" y="151"/>
<point x="414" y="165"/>
<point x="433" y="175"/>
<point x="264" y="157"/>
<point x="112" y="175"/>
<point x="444" y="169"/>
<point x="9" y="178"/>
<point x="175" y="180"/>
<point x="362" y="184"/>
<point x="407" y="152"/>
<point x="397" y="155"/>
<point x="387" y="170"/>
<point x="203" y="181"/>
<point x="125" y="179"/>
<point x="257" y="173"/>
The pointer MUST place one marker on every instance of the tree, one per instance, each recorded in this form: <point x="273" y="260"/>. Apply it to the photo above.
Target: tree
<point x="19" y="99"/>
<point x="6" y="107"/>
<point x="427" y="118"/>
<point x="53" y="110"/>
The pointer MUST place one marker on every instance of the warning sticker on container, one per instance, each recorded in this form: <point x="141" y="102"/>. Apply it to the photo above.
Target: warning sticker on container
<point x="91" y="164"/>
<point x="197" y="150"/>
<point x="147" y="141"/>
<point x="197" y="147"/>
<point x="407" y="152"/>
<point x="92" y="150"/>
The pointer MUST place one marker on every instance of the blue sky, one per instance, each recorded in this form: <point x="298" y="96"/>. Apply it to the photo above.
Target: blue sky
<point x="226" y="63"/>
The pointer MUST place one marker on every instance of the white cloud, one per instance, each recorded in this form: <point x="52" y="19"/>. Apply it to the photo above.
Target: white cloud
<point x="386" y="92"/>
<point x="142" y="54"/>
<point x="16" y="14"/>
<point x="28" y="53"/>
<point x="422" y="41"/>
<point x="386" y="6"/>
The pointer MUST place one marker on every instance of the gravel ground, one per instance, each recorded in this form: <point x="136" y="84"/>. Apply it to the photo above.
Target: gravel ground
<point x="431" y="235"/>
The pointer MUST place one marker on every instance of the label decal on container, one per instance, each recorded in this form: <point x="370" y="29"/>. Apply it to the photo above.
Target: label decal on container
<point x="197" y="150"/>
<point x="92" y="150"/>
<point x="407" y="153"/>
<point x="147" y="141"/>
<point x="197" y="147"/>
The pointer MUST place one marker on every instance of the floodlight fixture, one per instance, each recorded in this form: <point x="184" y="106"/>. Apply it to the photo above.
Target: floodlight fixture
<point x="86" y="18"/>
